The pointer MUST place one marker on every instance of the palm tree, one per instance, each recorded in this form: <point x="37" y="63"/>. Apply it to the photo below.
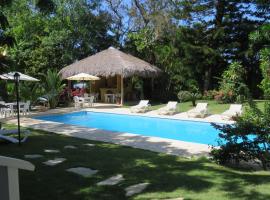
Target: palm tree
<point x="53" y="86"/>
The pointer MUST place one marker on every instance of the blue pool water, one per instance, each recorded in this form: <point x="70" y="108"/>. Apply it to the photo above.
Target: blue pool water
<point x="190" y="131"/>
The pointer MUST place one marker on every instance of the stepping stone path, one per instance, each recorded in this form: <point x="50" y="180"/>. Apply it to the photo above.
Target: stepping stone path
<point x="54" y="162"/>
<point x="70" y="147"/>
<point x="135" y="189"/>
<point x="83" y="171"/>
<point x="112" y="180"/>
<point x="90" y="145"/>
<point x="33" y="156"/>
<point x="51" y="151"/>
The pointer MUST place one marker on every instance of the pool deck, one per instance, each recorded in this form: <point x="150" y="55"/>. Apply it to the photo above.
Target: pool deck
<point x="156" y="144"/>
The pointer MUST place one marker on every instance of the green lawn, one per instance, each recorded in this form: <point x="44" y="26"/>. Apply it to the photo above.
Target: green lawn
<point x="214" y="106"/>
<point x="169" y="176"/>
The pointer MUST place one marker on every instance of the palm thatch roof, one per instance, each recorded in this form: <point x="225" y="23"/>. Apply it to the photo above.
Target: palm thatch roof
<point x="111" y="62"/>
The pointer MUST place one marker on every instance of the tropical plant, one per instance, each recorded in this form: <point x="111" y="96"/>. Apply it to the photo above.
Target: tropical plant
<point x="52" y="86"/>
<point x="246" y="140"/>
<point x="30" y="91"/>
<point x="138" y="85"/>
<point x="232" y="86"/>
<point x="192" y="94"/>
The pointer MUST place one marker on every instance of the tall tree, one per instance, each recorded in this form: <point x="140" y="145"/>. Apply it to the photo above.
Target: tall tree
<point x="74" y="30"/>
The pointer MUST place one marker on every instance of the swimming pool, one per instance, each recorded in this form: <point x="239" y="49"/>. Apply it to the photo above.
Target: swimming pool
<point x="189" y="131"/>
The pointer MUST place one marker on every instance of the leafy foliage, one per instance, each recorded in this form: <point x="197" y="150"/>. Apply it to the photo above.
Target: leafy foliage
<point x="246" y="140"/>
<point x="72" y="31"/>
<point x="192" y="95"/>
<point x="265" y="68"/>
<point x="232" y="86"/>
<point x="52" y="86"/>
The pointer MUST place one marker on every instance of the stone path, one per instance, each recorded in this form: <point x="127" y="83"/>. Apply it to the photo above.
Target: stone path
<point x="90" y="145"/>
<point x="70" y="147"/>
<point x="33" y="156"/>
<point x="83" y="171"/>
<point x="112" y="180"/>
<point x="135" y="189"/>
<point x="54" y="162"/>
<point x="51" y="151"/>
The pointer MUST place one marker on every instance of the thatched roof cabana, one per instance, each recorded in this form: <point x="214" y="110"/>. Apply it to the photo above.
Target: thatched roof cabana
<point x="112" y="62"/>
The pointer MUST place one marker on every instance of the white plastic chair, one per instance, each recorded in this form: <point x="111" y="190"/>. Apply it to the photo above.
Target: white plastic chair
<point x="26" y="108"/>
<point x="78" y="102"/>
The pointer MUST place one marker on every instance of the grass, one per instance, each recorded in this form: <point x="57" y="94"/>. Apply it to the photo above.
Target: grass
<point x="213" y="106"/>
<point x="169" y="176"/>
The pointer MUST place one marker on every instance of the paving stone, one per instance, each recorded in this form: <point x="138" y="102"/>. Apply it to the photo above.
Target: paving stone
<point x="112" y="180"/>
<point x="51" y="151"/>
<point x="83" y="171"/>
<point x="54" y="162"/>
<point x="135" y="189"/>
<point x="90" y="145"/>
<point x="33" y="156"/>
<point x="70" y="147"/>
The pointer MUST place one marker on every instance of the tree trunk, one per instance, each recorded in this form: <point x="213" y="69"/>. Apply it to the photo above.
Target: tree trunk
<point x="207" y="79"/>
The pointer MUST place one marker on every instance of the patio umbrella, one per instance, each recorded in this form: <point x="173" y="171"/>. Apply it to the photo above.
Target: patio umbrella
<point x="17" y="76"/>
<point x="83" y="77"/>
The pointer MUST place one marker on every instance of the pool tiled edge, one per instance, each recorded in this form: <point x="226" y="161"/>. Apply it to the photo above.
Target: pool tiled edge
<point x="156" y="144"/>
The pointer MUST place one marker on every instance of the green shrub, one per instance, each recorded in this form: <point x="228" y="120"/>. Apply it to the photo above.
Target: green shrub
<point x="210" y="94"/>
<point x="246" y="140"/>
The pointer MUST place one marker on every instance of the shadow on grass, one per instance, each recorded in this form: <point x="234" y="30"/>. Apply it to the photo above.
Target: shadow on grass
<point x="166" y="174"/>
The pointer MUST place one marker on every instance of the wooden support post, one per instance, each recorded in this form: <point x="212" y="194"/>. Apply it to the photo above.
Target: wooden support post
<point x="122" y="90"/>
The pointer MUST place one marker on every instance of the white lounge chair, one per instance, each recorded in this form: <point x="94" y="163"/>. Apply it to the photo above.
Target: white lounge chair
<point x="199" y="111"/>
<point x="233" y="111"/>
<point x="6" y="135"/>
<point x="9" y="180"/>
<point x="169" y="109"/>
<point x="143" y="106"/>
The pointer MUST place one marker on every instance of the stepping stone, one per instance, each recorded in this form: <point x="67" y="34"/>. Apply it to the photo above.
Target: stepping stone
<point x="112" y="180"/>
<point x="70" y="147"/>
<point x="33" y="156"/>
<point x="54" y="162"/>
<point x="83" y="171"/>
<point x="90" y="145"/>
<point x="135" y="189"/>
<point x="51" y="151"/>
